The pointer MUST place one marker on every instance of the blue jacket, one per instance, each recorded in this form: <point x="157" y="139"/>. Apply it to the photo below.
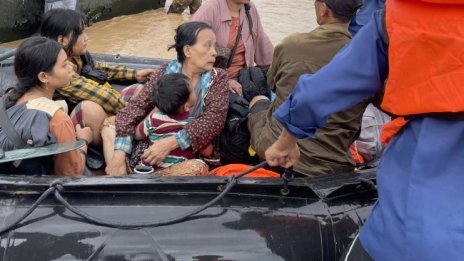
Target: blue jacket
<point x="364" y="15"/>
<point x="420" y="212"/>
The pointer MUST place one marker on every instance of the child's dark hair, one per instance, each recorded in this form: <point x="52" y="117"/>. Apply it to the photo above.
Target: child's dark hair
<point x="170" y="92"/>
<point x="61" y="22"/>
<point x="34" y="55"/>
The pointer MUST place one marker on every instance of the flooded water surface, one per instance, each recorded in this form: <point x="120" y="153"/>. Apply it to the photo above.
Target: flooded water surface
<point x="150" y="33"/>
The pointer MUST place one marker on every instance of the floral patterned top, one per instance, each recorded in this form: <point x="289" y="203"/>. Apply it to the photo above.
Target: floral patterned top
<point x="197" y="134"/>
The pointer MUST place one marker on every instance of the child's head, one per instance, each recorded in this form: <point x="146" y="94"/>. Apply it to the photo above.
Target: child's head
<point x="172" y="94"/>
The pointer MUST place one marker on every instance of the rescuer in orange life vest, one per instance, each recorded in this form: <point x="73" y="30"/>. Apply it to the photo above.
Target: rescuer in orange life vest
<point x="413" y="51"/>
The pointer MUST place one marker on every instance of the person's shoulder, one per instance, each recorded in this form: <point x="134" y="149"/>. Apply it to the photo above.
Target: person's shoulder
<point x="47" y="106"/>
<point x="218" y="73"/>
<point x="253" y="9"/>
<point x="163" y="66"/>
<point x="252" y="5"/>
<point x="313" y="38"/>
<point x="61" y="121"/>
<point x="219" y="80"/>
<point x="62" y="117"/>
<point x="291" y="42"/>
<point x="291" y="39"/>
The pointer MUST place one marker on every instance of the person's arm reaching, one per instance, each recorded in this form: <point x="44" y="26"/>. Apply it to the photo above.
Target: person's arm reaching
<point x="123" y="73"/>
<point x="82" y="89"/>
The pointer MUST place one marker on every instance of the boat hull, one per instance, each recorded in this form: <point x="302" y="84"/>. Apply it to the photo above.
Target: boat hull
<point x="252" y="222"/>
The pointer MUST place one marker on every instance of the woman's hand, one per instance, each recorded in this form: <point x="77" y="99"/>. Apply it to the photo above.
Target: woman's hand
<point x="235" y="87"/>
<point x="158" y="151"/>
<point x="117" y="165"/>
<point x="142" y="75"/>
<point x="284" y="152"/>
<point x="84" y="133"/>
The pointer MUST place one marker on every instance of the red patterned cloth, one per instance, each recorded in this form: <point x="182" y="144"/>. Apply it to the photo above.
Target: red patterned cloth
<point x="201" y="131"/>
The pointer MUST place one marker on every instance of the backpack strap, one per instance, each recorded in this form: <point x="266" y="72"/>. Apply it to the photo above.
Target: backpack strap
<point x="250" y="21"/>
<point x="239" y="34"/>
<point x="234" y="49"/>
<point x="8" y="128"/>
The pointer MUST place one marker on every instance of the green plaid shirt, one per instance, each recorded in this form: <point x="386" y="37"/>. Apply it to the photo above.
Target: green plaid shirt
<point x="82" y="88"/>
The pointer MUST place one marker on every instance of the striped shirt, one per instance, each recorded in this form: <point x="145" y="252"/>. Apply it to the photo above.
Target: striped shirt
<point x="158" y="126"/>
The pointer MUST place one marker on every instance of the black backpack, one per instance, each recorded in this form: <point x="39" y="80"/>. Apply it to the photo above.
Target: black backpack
<point x="235" y="137"/>
<point x="254" y="82"/>
<point x="89" y="71"/>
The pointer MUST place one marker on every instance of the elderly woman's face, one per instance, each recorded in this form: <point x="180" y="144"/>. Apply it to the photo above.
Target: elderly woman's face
<point x="203" y="53"/>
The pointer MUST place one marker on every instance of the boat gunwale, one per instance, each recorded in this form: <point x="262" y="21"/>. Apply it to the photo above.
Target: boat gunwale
<point x="324" y="187"/>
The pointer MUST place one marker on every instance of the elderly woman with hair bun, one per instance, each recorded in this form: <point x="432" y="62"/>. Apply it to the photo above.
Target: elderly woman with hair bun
<point x="196" y="54"/>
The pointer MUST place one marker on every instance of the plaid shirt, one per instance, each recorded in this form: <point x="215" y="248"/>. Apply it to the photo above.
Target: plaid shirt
<point x="82" y="88"/>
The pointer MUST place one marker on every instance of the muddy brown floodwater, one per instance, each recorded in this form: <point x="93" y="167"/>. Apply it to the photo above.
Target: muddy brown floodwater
<point x="150" y="33"/>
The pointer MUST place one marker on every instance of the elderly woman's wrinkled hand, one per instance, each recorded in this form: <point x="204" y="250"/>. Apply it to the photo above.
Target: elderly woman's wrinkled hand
<point x="159" y="150"/>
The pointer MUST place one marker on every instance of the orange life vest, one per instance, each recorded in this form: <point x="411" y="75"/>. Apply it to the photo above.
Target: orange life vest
<point x="227" y="170"/>
<point x="426" y="57"/>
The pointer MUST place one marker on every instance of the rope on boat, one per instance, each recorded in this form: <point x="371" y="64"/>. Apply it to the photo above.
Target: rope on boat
<point x="30" y="210"/>
<point x="57" y="187"/>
